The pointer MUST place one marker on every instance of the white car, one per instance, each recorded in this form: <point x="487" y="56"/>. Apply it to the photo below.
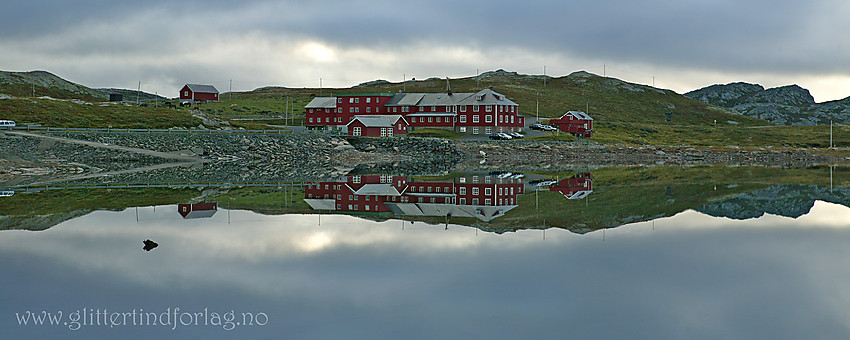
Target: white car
<point x="7" y="124"/>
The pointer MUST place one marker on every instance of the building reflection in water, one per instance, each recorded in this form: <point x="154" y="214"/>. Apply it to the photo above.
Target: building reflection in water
<point x="197" y="210"/>
<point x="576" y="187"/>
<point x="483" y="197"/>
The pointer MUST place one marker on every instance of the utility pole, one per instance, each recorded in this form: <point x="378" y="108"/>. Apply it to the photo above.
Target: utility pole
<point x="603" y="70"/>
<point x="477" y="79"/>
<point x="138" y="93"/>
<point x="653" y="81"/>
<point x="320" y="87"/>
<point x="403" y="82"/>
<point x="537" y="109"/>
<point x="544" y="75"/>
<point x="32" y="81"/>
<point x="830" y="134"/>
<point x="231" y="90"/>
<point x="156" y="100"/>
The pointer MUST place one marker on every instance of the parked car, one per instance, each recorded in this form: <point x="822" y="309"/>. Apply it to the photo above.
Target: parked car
<point x="549" y="128"/>
<point x="505" y="136"/>
<point x="499" y="136"/>
<point x="7" y="124"/>
<point x="536" y="126"/>
<point x="516" y="135"/>
<point x="543" y="182"/>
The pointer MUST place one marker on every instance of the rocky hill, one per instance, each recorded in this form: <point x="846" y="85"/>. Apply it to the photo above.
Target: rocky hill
<point x="130" y="95"/>
<point x="782" y="199"/>
<point x="23" y="84"/>
<point x="786" y="105"/>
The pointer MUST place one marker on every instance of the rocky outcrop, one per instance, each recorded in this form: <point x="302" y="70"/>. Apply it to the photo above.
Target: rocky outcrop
<point x="45" y="84"/>
<point x="786" y="105"/>
<point x="784" y="200"/>
<point x="530" y="155"/>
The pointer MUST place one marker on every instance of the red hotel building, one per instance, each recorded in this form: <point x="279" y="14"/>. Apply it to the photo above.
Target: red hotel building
<point x="482" y="112"/>
<point x="483" y="197"/>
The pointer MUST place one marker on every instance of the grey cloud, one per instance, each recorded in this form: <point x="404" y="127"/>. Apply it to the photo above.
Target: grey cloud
<point x="788" y="38"/>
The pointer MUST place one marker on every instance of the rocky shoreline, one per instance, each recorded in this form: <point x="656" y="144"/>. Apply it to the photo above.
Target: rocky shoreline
<point x="239" y="157"/>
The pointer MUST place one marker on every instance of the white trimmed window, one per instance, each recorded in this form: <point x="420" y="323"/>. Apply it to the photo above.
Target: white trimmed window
<point x="475" y="118"/>
<point x="355" y="131"/>
<point x="488" y="119"/>
<point x="488" y="108"/>
<point x="368" y="100"/>
<point x="474" y="108"/>
<point x="463" y="118"/>
<point x="463" y="108"/>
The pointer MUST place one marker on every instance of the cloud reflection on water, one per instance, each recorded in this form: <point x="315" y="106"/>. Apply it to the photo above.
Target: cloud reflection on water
<point x="692" y="276"/>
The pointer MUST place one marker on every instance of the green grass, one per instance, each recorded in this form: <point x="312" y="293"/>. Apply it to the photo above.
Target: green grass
<point x="635" y="194"/>
<point x="265" y="200"/>
<point x="438" y="133"/>
<point x="62" y="201"/>
<point x="57" y="113"/>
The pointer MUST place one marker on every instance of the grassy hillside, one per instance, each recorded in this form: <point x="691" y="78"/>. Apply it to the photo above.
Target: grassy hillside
<point x="629" y="195"/>
<point x="623" y="112"/>
<point x="41" y="83"/>
<point x="61" y="113"/>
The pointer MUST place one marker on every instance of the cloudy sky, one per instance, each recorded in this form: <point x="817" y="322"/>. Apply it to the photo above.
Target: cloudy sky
<point x="679" y="44"/>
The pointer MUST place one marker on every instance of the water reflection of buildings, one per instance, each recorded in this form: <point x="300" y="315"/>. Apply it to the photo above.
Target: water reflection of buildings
<point x="576" y="187"/>
<point x="198" y="210"/>
<point x="479" y="196"/>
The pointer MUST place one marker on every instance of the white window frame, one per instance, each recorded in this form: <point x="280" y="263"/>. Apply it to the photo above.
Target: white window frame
<point x="355" y="131"/>
<point x="463" y="118"/>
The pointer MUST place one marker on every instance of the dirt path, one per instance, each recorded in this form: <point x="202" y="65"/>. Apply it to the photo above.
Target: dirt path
<point x="180" y="159"/>
<point x="165" y="155"/>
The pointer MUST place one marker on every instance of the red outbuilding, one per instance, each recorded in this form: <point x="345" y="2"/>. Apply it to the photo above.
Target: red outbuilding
<point x="197" y="210"/>
<point x="378" y="125"/>
<point x="575" y="122"/>
<point x="194" y="93"/>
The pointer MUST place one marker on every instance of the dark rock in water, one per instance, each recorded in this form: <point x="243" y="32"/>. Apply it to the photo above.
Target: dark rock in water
<point x="149" y="245"/>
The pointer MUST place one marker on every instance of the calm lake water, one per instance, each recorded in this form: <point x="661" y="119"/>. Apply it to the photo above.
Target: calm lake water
<point x="730" y="268"/>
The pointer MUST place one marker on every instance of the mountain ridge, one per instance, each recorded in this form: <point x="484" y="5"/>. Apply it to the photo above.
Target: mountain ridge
<point x="784" y="105"/>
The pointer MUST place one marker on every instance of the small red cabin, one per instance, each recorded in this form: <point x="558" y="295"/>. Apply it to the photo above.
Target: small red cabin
<point x="576" y="187"/>
<point x="197" y="210"/>
<point x="194" y="93"/>
<point x="575" y="122"/>
<point x="380" y="125"/>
